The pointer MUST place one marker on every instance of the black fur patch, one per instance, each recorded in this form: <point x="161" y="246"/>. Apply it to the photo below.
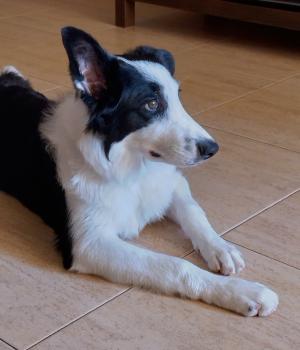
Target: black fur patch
<point x="127" y="113"/>
<point x="27" y="171"/>
<point x="117" y="103"/>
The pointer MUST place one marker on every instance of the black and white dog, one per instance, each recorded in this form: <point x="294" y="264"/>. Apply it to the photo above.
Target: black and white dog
<point x="102" y="163"/>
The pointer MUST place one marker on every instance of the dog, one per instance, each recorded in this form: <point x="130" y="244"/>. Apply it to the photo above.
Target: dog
<point x="102" y="163"/>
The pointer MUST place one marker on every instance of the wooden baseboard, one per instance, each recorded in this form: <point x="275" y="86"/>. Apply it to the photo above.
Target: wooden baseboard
<point x="236" y="10"/>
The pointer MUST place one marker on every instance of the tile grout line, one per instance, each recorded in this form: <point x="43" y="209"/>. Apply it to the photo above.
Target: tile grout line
<point x="249" y="138"/>
<point x="29" y="76"/>
<point x="8" y="344"/>
<point x="78" y="318"/>
<point x="234" y="227"/>
<point x="258" y="212"/>
<point x="205" y="44"/>
<point x="223" y="234"/>
<point x="92" y="310"/>
<point x="51" y="89"/>
<point x="267" y="256"/>
<point x="186" y="254"/>
<point x="245" y="94"/>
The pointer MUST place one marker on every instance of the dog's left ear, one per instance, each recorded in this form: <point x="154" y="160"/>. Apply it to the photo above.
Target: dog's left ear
<point x="88" y="62"/>
<point x="148" y="53"/>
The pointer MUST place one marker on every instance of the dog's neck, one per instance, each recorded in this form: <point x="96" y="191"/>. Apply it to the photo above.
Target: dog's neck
<point x="78" y="152"/>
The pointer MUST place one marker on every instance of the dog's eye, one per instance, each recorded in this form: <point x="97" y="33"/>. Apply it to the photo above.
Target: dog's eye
<point x="151" y="106"/>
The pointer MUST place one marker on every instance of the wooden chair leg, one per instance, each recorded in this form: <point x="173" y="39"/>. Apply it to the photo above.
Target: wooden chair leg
<point x="124" y="12"/>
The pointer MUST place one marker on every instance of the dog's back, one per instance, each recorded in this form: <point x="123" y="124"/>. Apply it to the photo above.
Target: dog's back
<point x="20" y="112"/>
<point x="27" y="170"/>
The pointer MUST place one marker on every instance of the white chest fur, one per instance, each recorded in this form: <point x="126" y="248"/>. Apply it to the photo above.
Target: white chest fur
<point x="123" y="208"/>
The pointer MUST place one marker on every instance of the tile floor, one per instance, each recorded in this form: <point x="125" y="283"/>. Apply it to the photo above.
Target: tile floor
<point x="242" y="82"/>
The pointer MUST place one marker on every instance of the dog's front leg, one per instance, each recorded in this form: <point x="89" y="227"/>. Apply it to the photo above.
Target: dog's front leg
<point x="219" y="254"/>
<point x="119" y="261"/>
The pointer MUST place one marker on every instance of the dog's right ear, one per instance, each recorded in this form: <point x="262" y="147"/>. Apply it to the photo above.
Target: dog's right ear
<point x="88" y="62"/>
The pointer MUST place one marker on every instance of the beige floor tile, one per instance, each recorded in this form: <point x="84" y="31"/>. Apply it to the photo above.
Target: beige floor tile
<point x="58" y="93"/>
<point x="37" y="295"/>
<point x="41" y="85"/>
<point x="103" y="11"/>
<point x="33" y="44"/>
<point x="97" y="17"/>
<point x="211" y="83"/>
<point x="275" y="233"/>
<point x="116" y="40"/>
<point x="16" y="7"/>
<point x="53" y="20"/>
<point x="36" y="54"/>
<point x="120" y="40"/>
<point x="142" y="320"/>
<point x="37" y="84"/>
<point x="242" y="60"/>
<point x="214" y="74"/>
<point x="270" y="115"/>
<point x="165" y="237"/>
<point x="243" y="178"/>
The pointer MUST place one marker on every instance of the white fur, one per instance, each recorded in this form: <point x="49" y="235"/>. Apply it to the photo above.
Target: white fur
<point x="170" y="135"/>
<point x="110" y="201"/>
<point x="12" y="69"/>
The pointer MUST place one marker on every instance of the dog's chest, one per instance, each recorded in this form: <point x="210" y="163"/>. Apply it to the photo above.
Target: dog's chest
<point x="127" y="207"/>
<point x="144" y="200"/>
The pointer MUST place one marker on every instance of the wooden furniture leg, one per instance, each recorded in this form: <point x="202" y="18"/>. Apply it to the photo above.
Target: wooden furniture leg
<point x="125" y="13"/>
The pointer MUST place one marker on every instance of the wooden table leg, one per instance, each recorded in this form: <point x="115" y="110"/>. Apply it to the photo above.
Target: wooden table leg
<point x="124" y="12"/>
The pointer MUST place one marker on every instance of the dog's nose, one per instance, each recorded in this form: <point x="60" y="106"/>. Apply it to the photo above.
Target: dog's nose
<point x="208" y="148"/>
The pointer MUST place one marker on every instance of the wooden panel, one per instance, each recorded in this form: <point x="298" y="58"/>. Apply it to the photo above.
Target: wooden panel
<point x="124" y="13"/>
<point x="274" y="17"/>
<point x="189" y="5"/>
<point x="276" y="4"/>
<point x="244" y="12"/>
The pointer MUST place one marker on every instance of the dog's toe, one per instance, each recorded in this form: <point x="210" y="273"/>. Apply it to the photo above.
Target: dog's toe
<point x="223" y="257"/>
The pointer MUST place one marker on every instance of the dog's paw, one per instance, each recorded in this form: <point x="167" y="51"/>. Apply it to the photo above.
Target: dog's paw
<point x="223" y="257"/>
<point x="248" y="298"/>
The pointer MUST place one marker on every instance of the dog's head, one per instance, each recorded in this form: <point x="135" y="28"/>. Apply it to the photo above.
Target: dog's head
<point x="134" y="98"/>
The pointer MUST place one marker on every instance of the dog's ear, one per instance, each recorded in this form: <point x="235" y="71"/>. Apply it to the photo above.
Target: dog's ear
<point x="88" y="62"/>
<point x="148" y="53"/>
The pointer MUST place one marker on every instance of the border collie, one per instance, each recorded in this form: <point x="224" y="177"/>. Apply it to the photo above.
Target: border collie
<point x="103" y="162"/>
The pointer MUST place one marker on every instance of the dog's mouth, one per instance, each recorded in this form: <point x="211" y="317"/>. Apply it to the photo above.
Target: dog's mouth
<point x="187" y="164"/>
<point x="155" y="154"/>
